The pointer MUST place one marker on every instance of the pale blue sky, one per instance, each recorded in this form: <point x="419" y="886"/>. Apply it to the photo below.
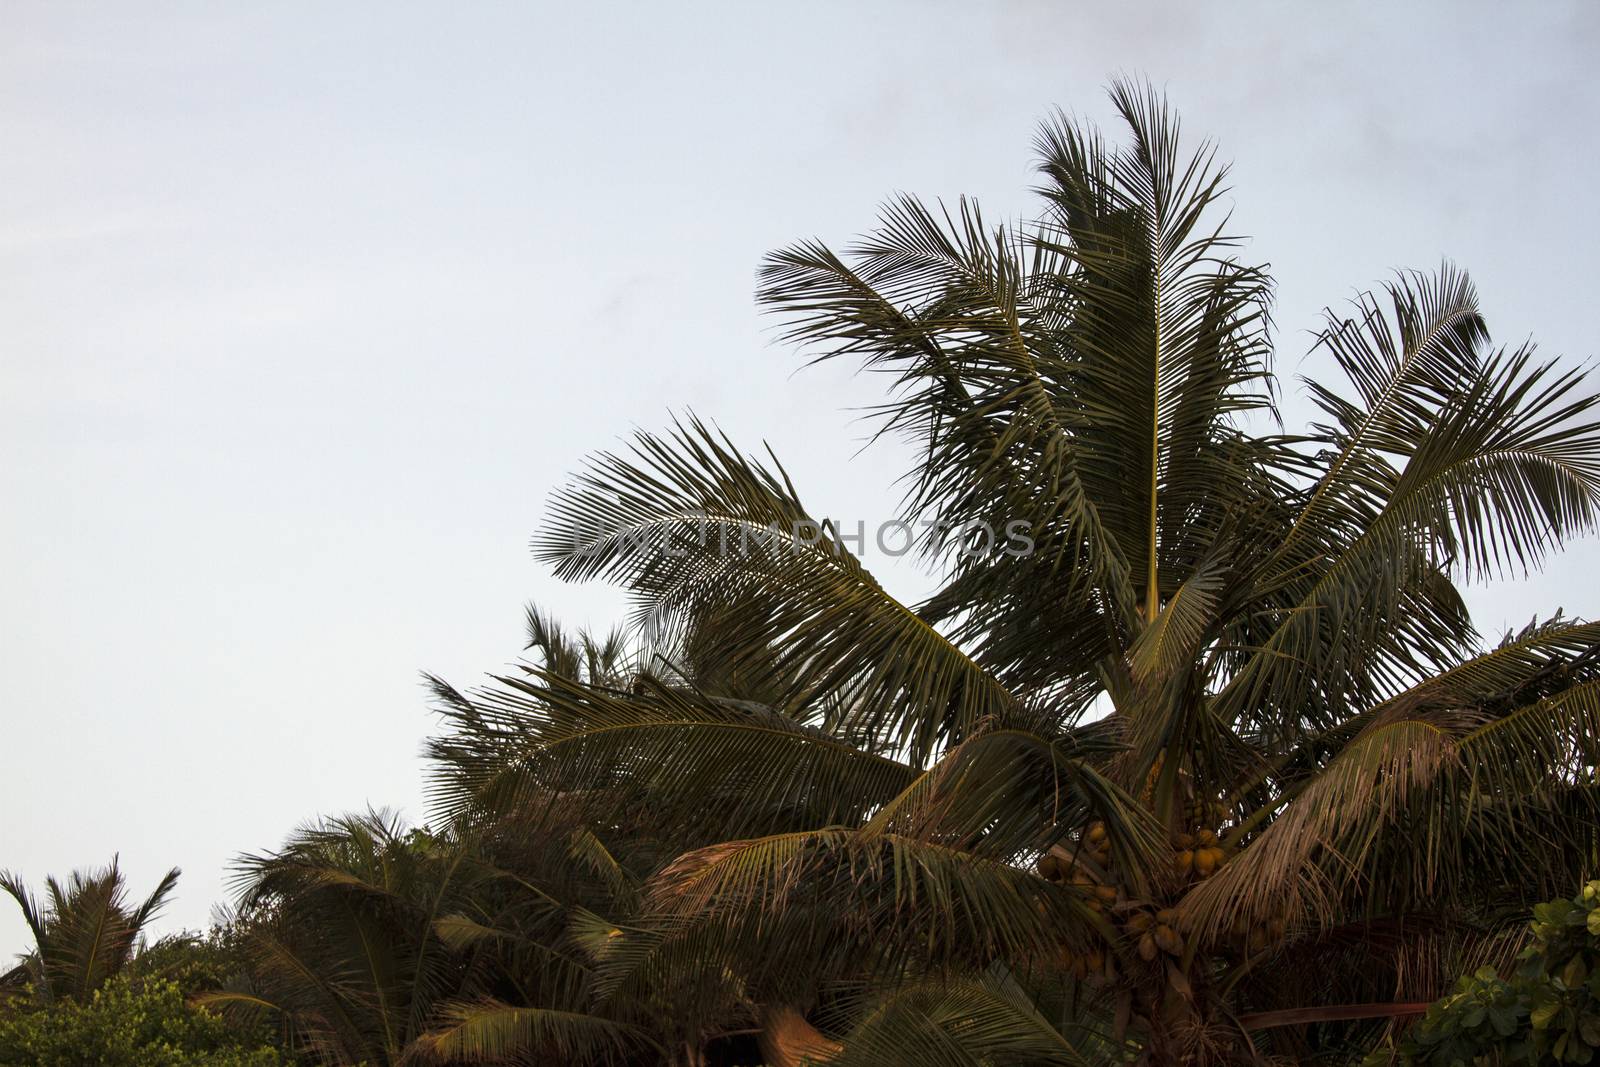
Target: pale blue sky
<point x="304" y="308"/>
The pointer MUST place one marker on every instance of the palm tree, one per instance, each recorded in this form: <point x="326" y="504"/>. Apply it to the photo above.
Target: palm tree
<point x="374" y="944"/>
<point x="1213" y="767"/>
<point x="85" y="934"/>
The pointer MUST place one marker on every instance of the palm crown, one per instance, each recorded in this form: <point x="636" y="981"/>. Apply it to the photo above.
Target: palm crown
<point x="1227" y="716"/>
<point x="84" y="933"/>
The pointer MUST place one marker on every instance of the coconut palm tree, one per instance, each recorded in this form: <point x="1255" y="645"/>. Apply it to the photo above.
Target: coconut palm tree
<point x="1194" y="757"/>
<point x="373" y="944"/>
<point x="645" y="1000"/>
<point x="84" y="934"/>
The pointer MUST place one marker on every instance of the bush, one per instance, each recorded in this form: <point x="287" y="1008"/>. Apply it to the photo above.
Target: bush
<point x="126" y="1023"/>
<point x="1548" y="1012"/>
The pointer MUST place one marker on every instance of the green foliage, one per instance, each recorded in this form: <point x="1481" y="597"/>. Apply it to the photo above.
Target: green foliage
<point x="125" y="1023"/>
<point x="196" y="963"/>
<point x="1547" y="1012"/>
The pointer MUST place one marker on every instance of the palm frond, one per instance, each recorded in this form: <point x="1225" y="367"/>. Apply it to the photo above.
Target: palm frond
<point x="693" y="529"/>
<point x="490" y="1032"/>
<point x="796" y="906"/>
<point x="1010" y="794"/>
<point x="986" y="1022"/>
<point x="706" y="766"/>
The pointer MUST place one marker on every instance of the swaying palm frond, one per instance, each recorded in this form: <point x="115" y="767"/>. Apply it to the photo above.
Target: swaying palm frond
<point x="987" y="1022"/>
<point x="707" y="767"/>
<point x="499" y="1033"/>
<point x="693" y="528"/>
<point x="1453" y="775"/>
<point x="1496" y="464"/>
<point x="791" y="910"/>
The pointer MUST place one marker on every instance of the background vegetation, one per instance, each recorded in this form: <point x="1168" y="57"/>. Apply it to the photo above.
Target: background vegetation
<point x="1220" y="772"/>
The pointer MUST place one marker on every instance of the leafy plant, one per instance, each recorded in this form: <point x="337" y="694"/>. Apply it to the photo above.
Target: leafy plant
<point x="126" y="1022"/>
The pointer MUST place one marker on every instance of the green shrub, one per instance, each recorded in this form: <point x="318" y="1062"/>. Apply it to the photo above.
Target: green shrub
<point x="126" y="1023"/>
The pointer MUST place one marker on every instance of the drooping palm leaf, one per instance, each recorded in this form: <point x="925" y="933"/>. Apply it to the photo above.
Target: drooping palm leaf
<point x="489" y="1032"/>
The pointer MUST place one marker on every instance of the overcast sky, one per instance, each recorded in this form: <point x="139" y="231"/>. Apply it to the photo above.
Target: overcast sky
<point x="304" y="309"/>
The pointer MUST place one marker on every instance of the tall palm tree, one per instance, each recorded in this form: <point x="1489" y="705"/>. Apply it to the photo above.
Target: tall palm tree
<point x="84" y="934"/>
<point x="1213" y="767"/>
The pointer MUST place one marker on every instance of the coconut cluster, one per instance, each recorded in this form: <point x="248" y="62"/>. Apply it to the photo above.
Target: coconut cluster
<point x="1086" y="867"/>
<point x="1152" y="928"/>
<point x="1199" y="854"/>
<point x="1247" y="938"/>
